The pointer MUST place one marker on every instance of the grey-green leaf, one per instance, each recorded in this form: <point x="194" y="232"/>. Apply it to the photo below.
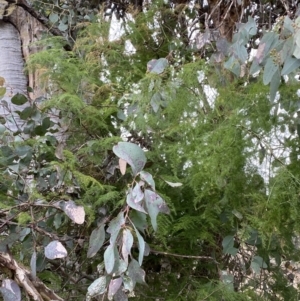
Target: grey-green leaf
<point x="132" y="154"/>
<point x="269" y="71"/>
<point x="155" y="204"/>
<point x="96" y="241"/>
<point x="98" y="287"/>
<point x="13" y="288"/>
<point x="290" y="65"/>
<point x="141" y="245"/>
<point x="158" y="66"/>
<point x="147" y="177"/>
<point x="136" y="273"/>
<point x="109" y="259"/>
<point x="115" y="226"/>
<point x="113" y="287"/>
<point x="127" y="242"/>
<point x="33" y="264"/>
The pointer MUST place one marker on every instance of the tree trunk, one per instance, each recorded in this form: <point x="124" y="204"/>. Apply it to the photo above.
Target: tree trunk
<point x="12" y="69"/>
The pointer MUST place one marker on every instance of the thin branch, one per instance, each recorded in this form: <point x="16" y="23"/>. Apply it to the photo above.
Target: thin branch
<point x="184" y="256"/>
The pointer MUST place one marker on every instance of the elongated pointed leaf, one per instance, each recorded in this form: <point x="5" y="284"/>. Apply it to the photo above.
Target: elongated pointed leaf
<point x="155" y="204"/>
<point x="140" y="220"/>
<point x="133" y="200"/>
<point x="33" y="264"/>
<point x="113" y="287"/>
<point x="290" y="65"/>
<point x="115" y="226"/>
<point x="132" y="154"/>
<point x="141" y="245"/>
<point x="136" y="273"/>
<point x="127" y="242"/>
<point x="269" y="71"/>
<point x="96" y="241"/>
<point x="109" y="258"/>
<point x="173" y="184"/>
<point x="147" y="177"/>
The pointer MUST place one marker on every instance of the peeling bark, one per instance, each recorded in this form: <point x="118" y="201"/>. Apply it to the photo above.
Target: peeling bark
<point x="36" y="289"/>
<point x="11" y="68"/>
<point x="30" y="30"/>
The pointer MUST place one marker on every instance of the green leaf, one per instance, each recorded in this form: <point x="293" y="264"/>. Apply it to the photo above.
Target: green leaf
<point x="228" y="245"/>
<point x="257" y="264"/>
<point x="98" y="287"/>
<point x="155" y="102"/>
<point x="53" y="18"/>
<point x="135" y="272"/>
<point x="97" y="239"/>
<point x="233" y="65"/>
<point x="19" y="99"/>
<point x="26" y="113"/>
<point x="290" y="65"/>
<point x="275" y="83"/>
<point x="2" y="91"/>
<point x="132" y="154"/>
<point x="62" y="26"/>
<point x="269" y="71"/>
<point x="296" y="52"/>
<point x="155" y="204"/>
<point x="139" y="219"/>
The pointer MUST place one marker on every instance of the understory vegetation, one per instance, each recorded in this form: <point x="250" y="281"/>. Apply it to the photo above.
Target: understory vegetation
<point x="164" y="170"/>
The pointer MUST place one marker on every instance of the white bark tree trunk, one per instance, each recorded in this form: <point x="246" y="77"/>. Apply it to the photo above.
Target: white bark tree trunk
<point x="12" y="69"/>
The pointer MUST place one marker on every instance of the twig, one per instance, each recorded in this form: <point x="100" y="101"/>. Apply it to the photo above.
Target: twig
<point x="183" y="256"/>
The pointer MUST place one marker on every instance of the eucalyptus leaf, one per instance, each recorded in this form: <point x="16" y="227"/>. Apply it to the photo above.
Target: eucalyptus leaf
<point x="110" y="258"/>
<point x="13" y="287"/>
<point x="157" y="66"/>
<point x="132" y="154"/>
<point x="127" y="242"/>
<point x="33" y="264"/>
<point x="97" y="239"/>
<point x="154" y="205"/>
<point x="135" y="272"/>
<point x="114" y="286"/>
<point x="141" y="245"/>
<point x="98" y="287"/>
<point x="55" y="250"/>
